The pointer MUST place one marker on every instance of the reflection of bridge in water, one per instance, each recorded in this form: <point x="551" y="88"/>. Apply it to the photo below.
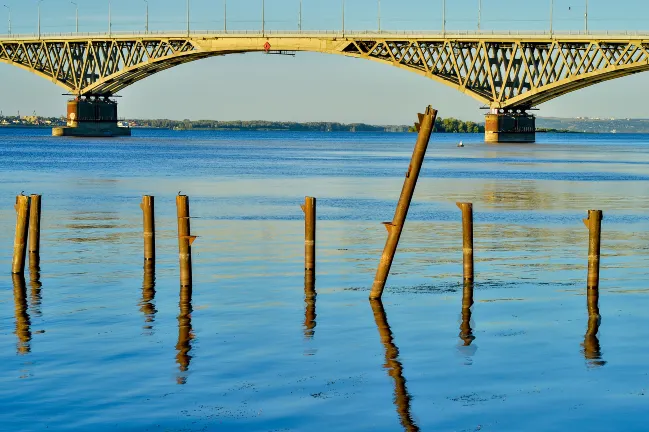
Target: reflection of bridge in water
<point x="509" y="73"/>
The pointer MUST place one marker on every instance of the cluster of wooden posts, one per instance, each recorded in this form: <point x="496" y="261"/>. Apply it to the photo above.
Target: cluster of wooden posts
<point x="27" y="238"/>
<point x="29" y="220"/>
<point x="28" y="227"/>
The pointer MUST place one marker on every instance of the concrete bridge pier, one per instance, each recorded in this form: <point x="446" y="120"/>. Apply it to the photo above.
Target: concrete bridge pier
<point x="92" y="116"/>
<point x="510" y="126"/>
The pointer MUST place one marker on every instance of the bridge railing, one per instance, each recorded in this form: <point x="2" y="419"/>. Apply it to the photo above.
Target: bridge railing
<point x="323" y="33"/>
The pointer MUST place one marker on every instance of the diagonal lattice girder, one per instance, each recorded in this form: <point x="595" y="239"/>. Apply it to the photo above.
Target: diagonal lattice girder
<point x="502" y="72"/>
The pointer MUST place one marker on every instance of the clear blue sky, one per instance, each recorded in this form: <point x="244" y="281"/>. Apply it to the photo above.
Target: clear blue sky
<point x="316" y="86"/>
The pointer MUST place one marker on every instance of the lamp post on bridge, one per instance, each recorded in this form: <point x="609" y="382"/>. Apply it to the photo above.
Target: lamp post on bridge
<point x="110" y="20"/>
<point x="444" y="16"/>
<point x="379" y="15"/>
<point x="343" y="18"/>
<point x="9" y="9"/>
<point x="146" y="22"/>
<point x="479" y="14"/>
<point x="586" y="17"/>
<point x="225" y="16"/>
<point x="39" y="18"/>
<point x="263" y="17"/>
<point x="76" y="16"/>
<point x="299" y="19"/>
<point x="188" y="18"/>
<point x="551" y="16"/>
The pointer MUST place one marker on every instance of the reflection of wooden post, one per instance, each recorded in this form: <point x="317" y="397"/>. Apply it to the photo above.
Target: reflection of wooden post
<point x="393" y="365"/>
<point x="36" y="285"/>
<point x="148" y="295"/>
<point x="23" y="323"/>
<point x="309" y="300"/>
<point x="395" y="228"/>
<point x="185" y="333"/>
<point x="185" y="241"/>
<point x="148" y="210"/>
<point x="34" y="230"/>
<point x="22" y="228"/>
<point x="594" y="225"/>
<point x="309" y="209"/>
<point x="467" y="239"/>
<point x="592" y="348"/>
<point x="466" y="333"/>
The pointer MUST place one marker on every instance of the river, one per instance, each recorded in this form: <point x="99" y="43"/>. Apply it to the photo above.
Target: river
<point x="94" y="343"/>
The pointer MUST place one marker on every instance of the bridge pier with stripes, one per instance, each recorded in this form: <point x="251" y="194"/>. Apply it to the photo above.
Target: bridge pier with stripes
<point x="508" y="73"/>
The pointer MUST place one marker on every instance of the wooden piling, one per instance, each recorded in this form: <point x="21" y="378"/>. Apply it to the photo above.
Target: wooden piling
<point x="148" y="212"/>
<point x="34" y="230"/>
<point x="22" y="229"/>
<point x="185" y="240"/>
<point x="309" y="209"/>
<point x="594" y="225"/>
<point x="467" y="239"/>
<point x="395" y="228"/>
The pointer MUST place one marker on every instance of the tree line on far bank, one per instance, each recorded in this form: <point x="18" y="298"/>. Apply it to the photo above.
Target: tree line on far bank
<point x="441" y="125"/>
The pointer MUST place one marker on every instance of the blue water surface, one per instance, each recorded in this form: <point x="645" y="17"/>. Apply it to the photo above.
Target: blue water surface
<point x="95" y="342"/>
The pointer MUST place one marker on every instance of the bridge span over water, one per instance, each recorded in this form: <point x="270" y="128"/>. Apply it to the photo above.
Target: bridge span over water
<point x="509" y="73"/>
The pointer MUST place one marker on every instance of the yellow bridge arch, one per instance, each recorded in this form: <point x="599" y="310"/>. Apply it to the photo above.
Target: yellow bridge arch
<point x="507" y="71"/>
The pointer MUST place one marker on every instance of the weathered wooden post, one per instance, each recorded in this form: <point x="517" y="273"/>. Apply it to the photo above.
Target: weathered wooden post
<point x="594" y="225"/>
<point x="309" y="209"/>
<point x="425" y="129"/>
<point x="22" y="230"/>
<point x="148" y="211"/>
<point x="35" y="230"/>
<point x="467" y="239"/>
<point x="185" y="241"/>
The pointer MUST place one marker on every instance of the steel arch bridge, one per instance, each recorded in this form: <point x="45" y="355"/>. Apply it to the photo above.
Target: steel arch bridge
<point x="506" y="71"/>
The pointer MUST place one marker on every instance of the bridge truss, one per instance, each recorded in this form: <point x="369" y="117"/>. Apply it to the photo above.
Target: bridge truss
<point x="508" y="72"/>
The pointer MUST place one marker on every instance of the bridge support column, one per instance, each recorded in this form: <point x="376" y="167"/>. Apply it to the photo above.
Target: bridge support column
<point x="510" y="127"/>
<point x="92" y="116"/>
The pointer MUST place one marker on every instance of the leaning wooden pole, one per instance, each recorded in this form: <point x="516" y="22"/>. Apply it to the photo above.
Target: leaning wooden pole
<point x="185" y="240"/>
<point x="148" y="214"/>
<point x="425" y="128"/>
<point x="594" y="225"/>
<point x="22" y="230"/>
<point x="467" y="239"/>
